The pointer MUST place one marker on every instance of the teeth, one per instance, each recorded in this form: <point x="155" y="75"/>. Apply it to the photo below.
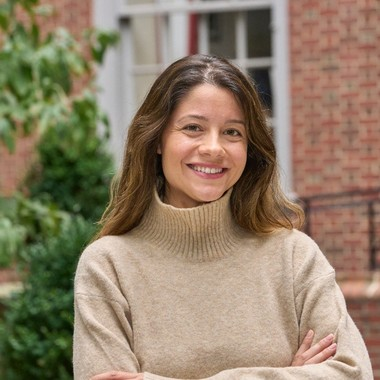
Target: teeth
<point x="207" y="170"/>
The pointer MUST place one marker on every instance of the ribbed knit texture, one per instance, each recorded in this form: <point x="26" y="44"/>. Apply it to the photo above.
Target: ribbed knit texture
<point x="188" y="295"/>
<point x="198" y="232"/>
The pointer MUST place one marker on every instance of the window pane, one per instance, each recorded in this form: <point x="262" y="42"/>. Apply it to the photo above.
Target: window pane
<point x="138" y="2"/>
<point x="144" y="29"/>
<point x="259" y="33"/>
<point x="143" y="84"/>
<point x="263" y="84"/>
<point x="222" y="34"/>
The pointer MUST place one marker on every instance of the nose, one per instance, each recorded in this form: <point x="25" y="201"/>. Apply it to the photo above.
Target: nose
<point x="211" y="146"/>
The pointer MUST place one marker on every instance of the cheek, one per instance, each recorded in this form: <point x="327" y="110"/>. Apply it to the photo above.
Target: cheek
<point x="240" y="157"/>
<point x="176" y="150"/>
<point x="171" y="159"/>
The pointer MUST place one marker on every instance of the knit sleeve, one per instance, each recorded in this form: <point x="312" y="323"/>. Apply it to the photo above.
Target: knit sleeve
<point x="103" y="336"/>
<point x="320" y="306"/>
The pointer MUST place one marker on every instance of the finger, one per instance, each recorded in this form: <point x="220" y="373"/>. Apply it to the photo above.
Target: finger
<point x="319" y="347"/>
<point x="315" y="353"/>
<point x="299" y="358"/>
<point x="327" y="353"/>
<point x="306" y="343"/>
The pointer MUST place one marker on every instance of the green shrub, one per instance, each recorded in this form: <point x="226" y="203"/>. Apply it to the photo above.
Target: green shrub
<point x="38" y="70"/>
<point x="24" y="221"/>
<point x="12" y="235"/>
<point x="37" y="95"/>
<point x="36" y="333"/>
<point x="11" y="240"/>
<point x="74" y="169"/>
<point x="38" y="73"/>
<point x="40" y="219"/>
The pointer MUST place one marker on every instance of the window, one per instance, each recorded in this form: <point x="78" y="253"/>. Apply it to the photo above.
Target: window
<point x="253" y="33"/>
<point x="245" y="37"/>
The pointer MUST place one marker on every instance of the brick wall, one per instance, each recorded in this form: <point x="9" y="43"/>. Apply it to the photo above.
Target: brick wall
<point x="75" y="16"/>
<point x="363" y="303"/>
<point x="335" y="88"/>
<point x="347" y="228"/>
<point x="14" y="167"/>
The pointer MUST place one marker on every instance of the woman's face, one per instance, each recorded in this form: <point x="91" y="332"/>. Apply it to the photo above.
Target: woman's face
<point x="204" y="147"/>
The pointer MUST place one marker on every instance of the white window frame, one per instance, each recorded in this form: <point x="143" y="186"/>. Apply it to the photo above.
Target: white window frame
<point x="117" y="78"/>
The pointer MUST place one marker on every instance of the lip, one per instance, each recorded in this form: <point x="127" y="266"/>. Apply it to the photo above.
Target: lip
<point x="210" y="175"/>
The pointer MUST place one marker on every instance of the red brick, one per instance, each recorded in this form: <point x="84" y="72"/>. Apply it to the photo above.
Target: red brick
<point x="74" y="16"/>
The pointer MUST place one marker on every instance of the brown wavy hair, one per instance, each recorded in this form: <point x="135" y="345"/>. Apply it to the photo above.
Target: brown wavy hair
<point x="257" y="201"/>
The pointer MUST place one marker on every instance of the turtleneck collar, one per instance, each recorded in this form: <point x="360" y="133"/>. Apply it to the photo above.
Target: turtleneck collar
<point x="202" y="233"/>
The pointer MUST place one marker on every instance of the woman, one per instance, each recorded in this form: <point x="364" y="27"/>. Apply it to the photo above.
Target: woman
<point x="198" y="270"/>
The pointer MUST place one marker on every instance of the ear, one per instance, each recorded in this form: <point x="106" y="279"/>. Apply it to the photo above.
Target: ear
<point x="159" y="149"/>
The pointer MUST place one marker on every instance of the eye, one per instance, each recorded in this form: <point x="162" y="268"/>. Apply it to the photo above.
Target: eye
<point x="192" y="128"/>
<point x="232" y="132"/>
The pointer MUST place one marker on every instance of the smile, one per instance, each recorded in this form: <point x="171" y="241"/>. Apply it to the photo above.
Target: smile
<point x="206" y="170"/>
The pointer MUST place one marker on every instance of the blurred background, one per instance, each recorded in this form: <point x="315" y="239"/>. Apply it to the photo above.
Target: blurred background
<point x="72" y="74"/>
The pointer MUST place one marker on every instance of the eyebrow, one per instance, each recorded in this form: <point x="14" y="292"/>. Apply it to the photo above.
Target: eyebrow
<point x="200" y="117"/>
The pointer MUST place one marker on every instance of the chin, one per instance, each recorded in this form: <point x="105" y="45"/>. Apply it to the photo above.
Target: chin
<point x="206" y="198"/>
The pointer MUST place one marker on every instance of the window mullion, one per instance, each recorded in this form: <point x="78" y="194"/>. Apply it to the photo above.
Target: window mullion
<point x="127" y="57"/>
<point x="241" y="38"/>
<point x="164" y="39"/>
<point x="203" y="34"/>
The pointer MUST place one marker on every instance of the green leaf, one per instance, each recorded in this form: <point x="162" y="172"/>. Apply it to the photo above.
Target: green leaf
<point x="37" y="75"/>
<point x="101" y="40"/>
<point x="6" y="134"/>
<point x="4" y="16"/>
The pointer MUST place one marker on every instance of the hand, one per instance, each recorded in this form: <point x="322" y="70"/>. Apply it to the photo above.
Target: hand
<point x="115" y="375"/>
<point x="321" y="351"/>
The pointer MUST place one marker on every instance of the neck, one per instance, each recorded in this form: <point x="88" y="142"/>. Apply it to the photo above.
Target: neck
<point x="203" y="233"/>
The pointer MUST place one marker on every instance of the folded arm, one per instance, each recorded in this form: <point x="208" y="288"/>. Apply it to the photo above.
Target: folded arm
<point x="307" y="354"/>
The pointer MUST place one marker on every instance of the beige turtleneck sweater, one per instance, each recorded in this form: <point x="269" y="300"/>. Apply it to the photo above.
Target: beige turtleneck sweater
<point x="190" y="295"/>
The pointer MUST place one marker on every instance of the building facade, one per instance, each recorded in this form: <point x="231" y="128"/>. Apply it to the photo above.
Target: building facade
<point x="316" y="65"/>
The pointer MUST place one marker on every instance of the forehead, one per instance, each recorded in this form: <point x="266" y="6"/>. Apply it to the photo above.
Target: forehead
<point x="208" y="98"/>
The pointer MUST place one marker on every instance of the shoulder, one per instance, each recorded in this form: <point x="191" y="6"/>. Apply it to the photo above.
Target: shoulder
<point x="305" y="249"/>
<point x="309" y="262"/>
<point x="104" y="245"/>
<point x="97" y="272"/>
<point x="290" y="241"/>
<point x="104" y="255"/>
<point x="101" y="249"/>
<point x="304" y="253"/>
<point x="294" y="240"/>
